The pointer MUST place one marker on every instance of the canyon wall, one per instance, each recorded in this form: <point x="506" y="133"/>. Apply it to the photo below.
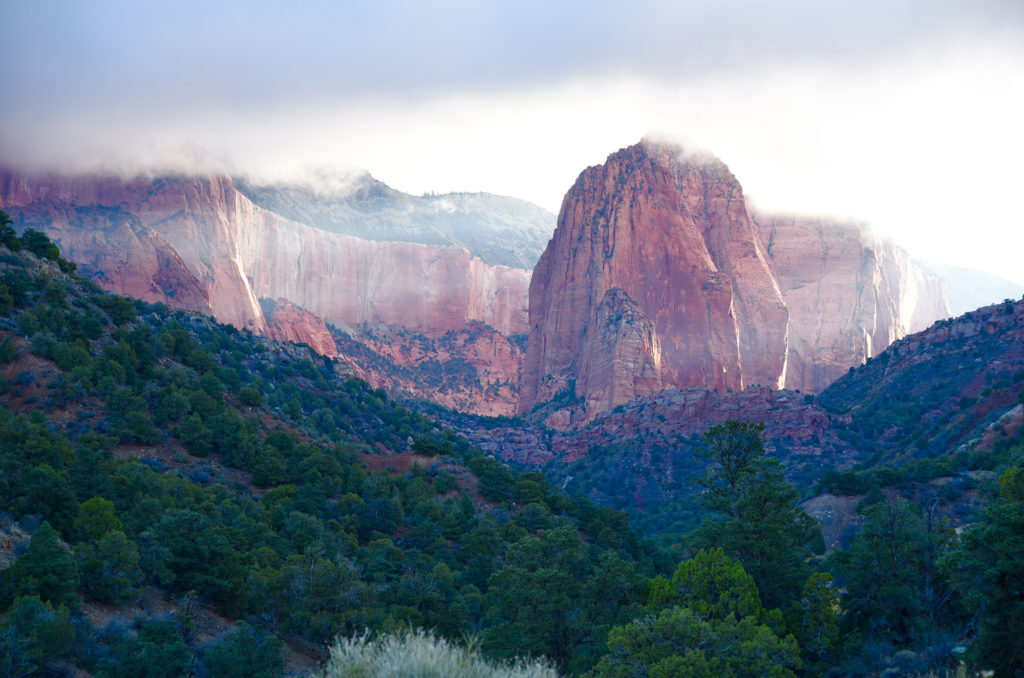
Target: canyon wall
<point x="694" y="300"/>
<point x="224" y="253"/>
<point x="850" y="294"/>
<point x="657" y="276"/>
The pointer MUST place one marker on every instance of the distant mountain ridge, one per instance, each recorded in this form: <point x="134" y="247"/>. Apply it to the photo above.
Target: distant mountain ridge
<point x="970" y="288"/>
<point x="499" y="230"/>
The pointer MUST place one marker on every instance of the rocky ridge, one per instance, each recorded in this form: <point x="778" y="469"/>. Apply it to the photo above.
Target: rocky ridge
<point x="288" y="322"/>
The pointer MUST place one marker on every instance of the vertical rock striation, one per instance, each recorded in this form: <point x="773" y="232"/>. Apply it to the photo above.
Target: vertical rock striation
<point x="670" y="230"/>
<point x="850" y="294"/>
<point x="223" y="253"/>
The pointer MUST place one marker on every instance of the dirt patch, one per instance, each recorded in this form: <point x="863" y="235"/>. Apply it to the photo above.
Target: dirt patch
<point x="836" y="515"/>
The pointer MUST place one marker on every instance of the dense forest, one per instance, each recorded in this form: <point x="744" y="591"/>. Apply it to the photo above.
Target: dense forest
<point x="158" y="470"/>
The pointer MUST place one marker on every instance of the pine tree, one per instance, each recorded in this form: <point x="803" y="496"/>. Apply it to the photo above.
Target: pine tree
<point x="756" y="518"/>
<point x="47" y="569"/>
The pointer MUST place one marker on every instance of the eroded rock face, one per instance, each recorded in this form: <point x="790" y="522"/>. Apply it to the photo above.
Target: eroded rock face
<point x="288" y="322"/>
<point x="473" y="369"/>
<point x="621" y="357"/>
<point x="671" y="230"/>
<point x="238" y="252"/>
<point x="850" y="294"/>
<point x="348" y="280"/>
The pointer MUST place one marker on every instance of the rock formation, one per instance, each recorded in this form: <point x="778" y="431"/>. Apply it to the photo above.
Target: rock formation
<point x="473" y="369"/>
<point x="497" y="229"/>
<point x="288" y="322"/>
<point x="671" y="230"/>
<point x="238" y="252"/>
<point x="658" y="277"/>
<point x="850" y="294"/>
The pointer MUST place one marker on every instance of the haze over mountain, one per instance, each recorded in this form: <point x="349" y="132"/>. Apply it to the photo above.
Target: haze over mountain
<point x="497" y="229"/>
<point x="970" y="288"/>
<point x="657" y="276"/>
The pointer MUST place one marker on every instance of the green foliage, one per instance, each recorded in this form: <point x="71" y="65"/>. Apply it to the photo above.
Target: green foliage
<point x="96" y="517"/>
<point x="679" y="643"/>
<point x="244" y="652"/>
<point x="814" y="620"/>
<point x="250" y="396"/>
<point x="6" y="300"/>
<point x="418" y="653"/>
<point x="890" y="573"/>
<point x="711" y="584"/>
<point x="46" y="633"/>
<point x="756" y="516"/>
<point x="110" y="567"/>
<point x="159" y="652"/>
<point x="710" y="624"/>
<point x="39" y="244"/>
<point x="120" y="310"/>
<point x="7" y="350"/>
<point x="8" y="236"/>
<point x="46" y="569"/>
<point x="988" y="567"/>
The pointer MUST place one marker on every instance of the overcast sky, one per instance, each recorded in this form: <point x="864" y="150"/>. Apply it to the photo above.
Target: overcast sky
<point x="905" y="114"/>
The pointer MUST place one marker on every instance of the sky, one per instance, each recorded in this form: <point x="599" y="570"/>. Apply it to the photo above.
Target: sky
<point x="908" y="115"/>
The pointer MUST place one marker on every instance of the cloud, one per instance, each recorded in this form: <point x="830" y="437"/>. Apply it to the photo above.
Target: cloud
<point x="905" y="115"/>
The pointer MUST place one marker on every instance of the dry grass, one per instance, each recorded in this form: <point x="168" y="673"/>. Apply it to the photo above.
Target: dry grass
<point x="419" y="654"/>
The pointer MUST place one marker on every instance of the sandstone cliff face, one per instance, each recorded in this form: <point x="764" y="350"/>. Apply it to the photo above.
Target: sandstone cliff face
<point x="348" y="280"/>
<point x="672" y="231"/>
<point x="621" y="356"/>
<point x="288" y="322"/>
<point x="239" y="252"/>
<point x="850" y="294"/>
<point x="473" y="369"/>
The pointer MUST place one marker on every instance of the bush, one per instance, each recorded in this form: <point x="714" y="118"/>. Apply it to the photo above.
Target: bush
<point x="245" y="652"/>
<point x="418" y="653"/>
<point x="39" y="244"/>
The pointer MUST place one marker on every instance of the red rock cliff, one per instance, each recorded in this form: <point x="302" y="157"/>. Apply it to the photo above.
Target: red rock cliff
<point x="233" y="252"/>
<point x="671" y="230"/>
<point x="850" y="294"/>
<point x="288" y="322"/>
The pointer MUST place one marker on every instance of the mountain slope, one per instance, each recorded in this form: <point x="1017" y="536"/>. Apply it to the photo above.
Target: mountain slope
<point x="199" y="475"/>
<point x="497" y="229"/>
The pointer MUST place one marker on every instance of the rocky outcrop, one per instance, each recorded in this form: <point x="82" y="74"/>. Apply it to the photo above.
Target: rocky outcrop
<point x="348" y="280"/>
<point x="850" y="294"/>
<point x="671" y="230"/>
<point x="114" y="249"/>
<point x="288" y="322"/>
<point x="474" y="369"/>
<point x="238" y="252"/>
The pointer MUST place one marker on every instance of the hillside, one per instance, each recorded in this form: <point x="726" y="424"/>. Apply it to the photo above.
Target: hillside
<point x="197" y="476"/>
<point x="226" y="493"/>
<point x="933" y="405"/>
